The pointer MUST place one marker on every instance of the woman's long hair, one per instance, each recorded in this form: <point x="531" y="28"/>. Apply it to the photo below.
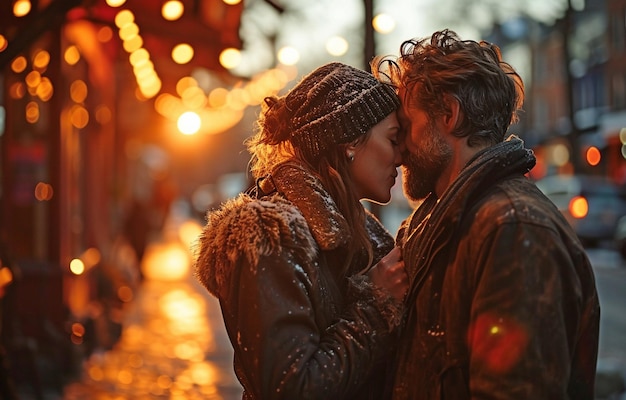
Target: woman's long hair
<point x="270" y="146"/>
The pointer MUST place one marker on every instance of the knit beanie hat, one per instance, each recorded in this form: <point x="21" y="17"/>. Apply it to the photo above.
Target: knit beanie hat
<point x="336" y="104"/>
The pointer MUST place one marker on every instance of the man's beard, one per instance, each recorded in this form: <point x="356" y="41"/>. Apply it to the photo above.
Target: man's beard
<point x="422" y="170"/>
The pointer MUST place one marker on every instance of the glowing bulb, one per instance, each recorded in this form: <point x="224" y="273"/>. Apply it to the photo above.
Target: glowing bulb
<point x="189" y="123"/>
<point x="172" y="10"/>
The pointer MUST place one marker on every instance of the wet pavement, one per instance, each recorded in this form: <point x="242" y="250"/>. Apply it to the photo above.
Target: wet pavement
<point x="173" y="346"/>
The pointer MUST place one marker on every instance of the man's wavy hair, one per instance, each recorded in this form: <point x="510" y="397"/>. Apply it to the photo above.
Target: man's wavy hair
<point x="489" y="91"/>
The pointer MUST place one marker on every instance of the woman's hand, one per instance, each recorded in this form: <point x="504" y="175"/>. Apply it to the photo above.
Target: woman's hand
<point x="390" y="274"/>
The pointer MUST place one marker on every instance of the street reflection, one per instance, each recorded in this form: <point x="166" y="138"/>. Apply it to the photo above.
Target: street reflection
<point x="173" y="343"/>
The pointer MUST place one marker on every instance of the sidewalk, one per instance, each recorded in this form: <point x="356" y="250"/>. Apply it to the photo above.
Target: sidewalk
<point x="173" y="346"/>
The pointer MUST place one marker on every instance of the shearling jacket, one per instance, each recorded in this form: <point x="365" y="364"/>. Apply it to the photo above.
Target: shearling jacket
<point x="299" y="331"/>
<point x="503" y="302"/>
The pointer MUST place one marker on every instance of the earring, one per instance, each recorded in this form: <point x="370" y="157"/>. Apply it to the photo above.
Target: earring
<point x="351" y="157"/>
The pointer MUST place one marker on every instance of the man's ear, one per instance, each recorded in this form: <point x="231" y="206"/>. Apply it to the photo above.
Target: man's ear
<point x="453" y="113"/>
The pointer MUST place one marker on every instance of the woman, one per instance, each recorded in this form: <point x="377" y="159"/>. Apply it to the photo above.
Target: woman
<point x="309" y="306"/>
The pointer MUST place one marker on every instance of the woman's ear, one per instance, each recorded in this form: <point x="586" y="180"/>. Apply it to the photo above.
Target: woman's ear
<point x="351" y="147"/>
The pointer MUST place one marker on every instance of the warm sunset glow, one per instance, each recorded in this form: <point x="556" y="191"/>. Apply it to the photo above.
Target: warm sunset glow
<point x="185" y="83"/>
<point x="189" y="123"/>
<point x="188" y="232"/>
<point x="166" y="262"/>
<point x="217" y="97"/>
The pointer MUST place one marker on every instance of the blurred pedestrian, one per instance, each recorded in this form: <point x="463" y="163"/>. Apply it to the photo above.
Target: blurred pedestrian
<point x="146" y="218"/>
<point x="309" y="283"/>
<point x="502" y="299"/>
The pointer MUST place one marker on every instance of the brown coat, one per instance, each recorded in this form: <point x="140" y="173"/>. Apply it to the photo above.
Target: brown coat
<point x="503" y="301"/>
<point x="298" y="330"/>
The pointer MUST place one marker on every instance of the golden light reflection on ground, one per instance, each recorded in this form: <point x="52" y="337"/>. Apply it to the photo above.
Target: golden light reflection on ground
<point x="167" y="261"/>
<point x="173" y="344"/>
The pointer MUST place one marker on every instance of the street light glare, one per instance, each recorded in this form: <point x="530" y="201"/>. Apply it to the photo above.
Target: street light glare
<point x="230" y="58"/>
<point x="384" y="23"/>
<point x="288" y="55"/>
<point x="21" y="8"/>
<point x="337" y="46"/>
<point x="172" y="10"/>
<point x="189" y="123"/>
<point x="182" y="53"/>
<point x="115" y="3"/>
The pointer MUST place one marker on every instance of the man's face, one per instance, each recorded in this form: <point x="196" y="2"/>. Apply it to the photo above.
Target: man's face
<point x="426" y="152"/>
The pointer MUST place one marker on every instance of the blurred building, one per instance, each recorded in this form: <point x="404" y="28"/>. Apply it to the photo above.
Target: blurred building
<point x="78" y="133"/>
<point x="575" y="108"/>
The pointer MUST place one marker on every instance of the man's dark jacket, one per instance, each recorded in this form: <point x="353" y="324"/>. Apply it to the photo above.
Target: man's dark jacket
<point x="503" y="303"/>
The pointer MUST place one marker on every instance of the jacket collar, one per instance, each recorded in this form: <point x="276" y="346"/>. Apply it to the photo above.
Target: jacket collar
<point x="298" y="185"/>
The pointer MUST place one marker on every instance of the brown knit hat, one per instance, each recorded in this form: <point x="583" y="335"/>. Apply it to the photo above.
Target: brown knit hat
<point x="336" y="104"/>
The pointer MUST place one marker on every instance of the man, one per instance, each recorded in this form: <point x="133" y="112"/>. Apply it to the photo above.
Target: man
<point x="502" y="301"/>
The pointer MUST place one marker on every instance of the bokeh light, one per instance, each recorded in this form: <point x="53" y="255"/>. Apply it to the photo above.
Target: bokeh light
<point x="384" y="23"/>
<point x="593" y="156"/>
<point x="172" y="10"/>
<point x="21" y="8"/>
<point x="182" y="53"/>
<point x="189" y="123"/>
<point x="337" y="46"/>
<point x="230" y="58"/>
<point x="288" y="55"/>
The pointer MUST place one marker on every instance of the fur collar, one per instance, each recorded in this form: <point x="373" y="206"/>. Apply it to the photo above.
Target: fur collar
<point x="300" y="215"/>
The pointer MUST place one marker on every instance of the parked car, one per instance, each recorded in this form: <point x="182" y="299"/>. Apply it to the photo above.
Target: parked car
<point x="593" y="205"/>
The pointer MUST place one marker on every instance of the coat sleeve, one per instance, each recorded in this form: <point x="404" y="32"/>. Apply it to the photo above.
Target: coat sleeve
<point x="527" y="315"/>
<point x="282" y="346"/>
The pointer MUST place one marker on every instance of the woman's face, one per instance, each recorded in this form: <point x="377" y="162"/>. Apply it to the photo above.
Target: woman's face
<point x="376" y="159"/>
